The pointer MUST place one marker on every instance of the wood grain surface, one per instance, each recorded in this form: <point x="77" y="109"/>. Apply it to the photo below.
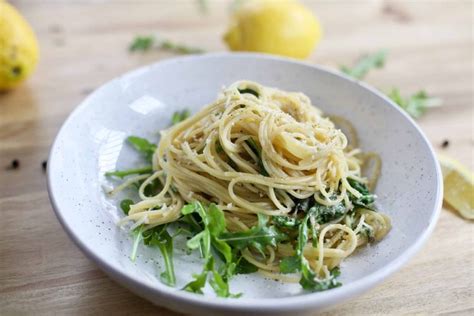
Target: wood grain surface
<point x="84" y="44"/>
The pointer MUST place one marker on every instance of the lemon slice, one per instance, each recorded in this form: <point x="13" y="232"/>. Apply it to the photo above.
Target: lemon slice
<point x="458" y="186"/>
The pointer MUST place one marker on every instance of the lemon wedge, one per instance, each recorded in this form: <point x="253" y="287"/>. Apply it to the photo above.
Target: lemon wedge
<point x="458" y="186"/>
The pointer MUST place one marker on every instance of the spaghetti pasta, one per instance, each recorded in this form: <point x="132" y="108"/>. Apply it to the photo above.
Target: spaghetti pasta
<point x="259" y="150"/>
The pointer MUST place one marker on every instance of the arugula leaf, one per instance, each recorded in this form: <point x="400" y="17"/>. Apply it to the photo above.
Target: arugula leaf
<point x="244" y="267"/>
<point x="290" y="264"/>
<point x="123" y="173"/>
<point x="137" y="237"/>
<point x="258" y="152"/>
<point x="324" y="214"/>
<point x="179" y="116"/>
<point x="365" y="64"/>
<point x="308" y="280"/>
<point x="286" y="221"/>
<point x="142" y="43"/>
<point x="249" y="91"/>
<point x="366" y="200"/>
<point x="125" y="205"/>
<point x="199" y="281"/>
<point x="160" y="237"/>
<point x="221" y="286"/>
<point x="303" y="205"/>
<point x="214" y="225"/>
<point x="415" y="105"/>
<point x="219" y="148"/>
<point x="257" y="237"/>
<point x="142" y="145"/>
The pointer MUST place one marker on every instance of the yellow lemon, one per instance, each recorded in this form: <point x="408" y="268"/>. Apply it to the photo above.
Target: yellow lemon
<point x="458" y="186"/>
<point x="18" y="47"/>
<point x="282" y="27"/>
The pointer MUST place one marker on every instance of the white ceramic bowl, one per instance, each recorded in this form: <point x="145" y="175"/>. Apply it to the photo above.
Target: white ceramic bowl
<point x="142" y="102"/>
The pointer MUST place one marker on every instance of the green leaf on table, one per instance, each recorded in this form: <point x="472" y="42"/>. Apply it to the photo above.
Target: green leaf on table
<point x="365" y="63"/>
<point x="148" y="42"/>
<point x="415" y="105"/>
<point x="203" y="6"/>
<point x="179" y="48"/>
<point x="142" y="43"/>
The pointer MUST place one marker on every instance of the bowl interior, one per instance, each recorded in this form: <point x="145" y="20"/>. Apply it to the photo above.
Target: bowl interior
<point x="142" y="102"/>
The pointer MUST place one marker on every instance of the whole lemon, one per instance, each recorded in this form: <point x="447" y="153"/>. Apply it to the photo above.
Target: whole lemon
<point x="18" y="47"/>
<point x="282" y="27"/>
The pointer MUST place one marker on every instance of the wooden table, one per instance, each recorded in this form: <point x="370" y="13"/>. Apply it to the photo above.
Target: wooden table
<point x="84" y="45"/>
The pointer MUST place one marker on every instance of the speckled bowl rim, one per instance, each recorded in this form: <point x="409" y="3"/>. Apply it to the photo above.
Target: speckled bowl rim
<point x="300" y="302"/>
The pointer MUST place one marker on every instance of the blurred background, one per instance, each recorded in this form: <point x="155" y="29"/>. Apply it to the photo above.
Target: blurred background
<point x="400" y="47"/>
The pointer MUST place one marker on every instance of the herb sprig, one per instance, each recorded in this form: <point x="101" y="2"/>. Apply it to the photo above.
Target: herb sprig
<point x="415" y="105"/>
<point x="214" y="225"/>
<point x="147" y="43"/>
<point x="365" y="64"/>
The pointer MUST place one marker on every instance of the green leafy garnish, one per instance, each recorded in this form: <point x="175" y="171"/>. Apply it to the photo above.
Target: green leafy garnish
<point x="309" y="280"/>
<point x="286" y="221"/>
<point x="213" y="221"/>
<point x="199" y="281"/>
<point x="142" y="43"/>
<point x="159" y="237"/>
<point x="143" y="146"/>
<point x="123" y="173"/>
<point x="125" y="205"/>
<point x="324" y="214"/>
<point x="244" y="267"/>
<point x="415" y="105"/>
<point x="290" y="264"/>
<point x="257" y="237"/>
<point x="137" y="237"/>
<point x="179" y="116"/>
<point x="367" y="198"/>
<point x="258" y="152"/>
<point x="249" y="91"/>
<point x="365" y="64"/>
